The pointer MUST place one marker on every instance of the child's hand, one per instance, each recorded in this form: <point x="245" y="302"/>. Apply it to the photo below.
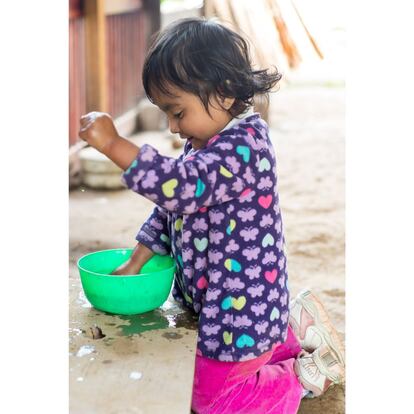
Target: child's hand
<point x="98" y="130"/>
<point x="133" y="265"/>
<point x="128" y="268"/>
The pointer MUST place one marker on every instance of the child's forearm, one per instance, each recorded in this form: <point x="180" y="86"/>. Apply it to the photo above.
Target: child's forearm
<point x="141" y="254"/>
<point x="122" y="152"/>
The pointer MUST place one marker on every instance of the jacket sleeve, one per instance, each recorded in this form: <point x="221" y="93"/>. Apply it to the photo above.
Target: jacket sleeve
<point x="213" y="175"/>
<point x="154" y="232"/>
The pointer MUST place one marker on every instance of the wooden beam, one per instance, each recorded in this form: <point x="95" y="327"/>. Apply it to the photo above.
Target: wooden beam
<point x="122" y="6"/>
<point x="153" y="10"/>
<point x="95" y="50"/>
<point x="75" y="9"/>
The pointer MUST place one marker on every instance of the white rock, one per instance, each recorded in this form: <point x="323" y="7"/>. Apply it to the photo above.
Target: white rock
<point x="104" y="181"/>
<point x="92" y="161"/>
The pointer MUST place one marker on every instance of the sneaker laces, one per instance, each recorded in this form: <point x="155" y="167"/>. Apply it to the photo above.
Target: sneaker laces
<point x="310" y="367"/>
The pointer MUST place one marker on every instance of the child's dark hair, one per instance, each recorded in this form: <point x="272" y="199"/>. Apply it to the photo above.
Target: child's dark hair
<point x="203" y="57"/>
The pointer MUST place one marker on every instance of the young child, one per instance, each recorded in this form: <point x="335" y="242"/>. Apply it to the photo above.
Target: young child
<point x="217" y="213"/>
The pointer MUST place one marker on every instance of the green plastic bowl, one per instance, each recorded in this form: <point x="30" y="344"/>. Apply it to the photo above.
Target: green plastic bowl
<point x="125" y="295"/>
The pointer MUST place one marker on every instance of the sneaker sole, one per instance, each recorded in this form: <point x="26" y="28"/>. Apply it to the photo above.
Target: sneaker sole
<point x="322" y="322"/>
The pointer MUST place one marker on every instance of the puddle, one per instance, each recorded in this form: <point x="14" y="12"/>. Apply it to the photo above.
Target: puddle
<point x="171" y="317"/>
<point x="137" y="324"/>
<point x="186" y="320"/>
<point x="172" y="335"/>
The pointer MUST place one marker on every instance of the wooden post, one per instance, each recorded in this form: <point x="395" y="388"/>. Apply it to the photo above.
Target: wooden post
<point x="95" y="49"/>
<point x="152" y="8"/>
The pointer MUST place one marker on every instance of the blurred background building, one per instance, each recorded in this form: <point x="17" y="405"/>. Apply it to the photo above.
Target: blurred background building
<point x="109" y="40"/>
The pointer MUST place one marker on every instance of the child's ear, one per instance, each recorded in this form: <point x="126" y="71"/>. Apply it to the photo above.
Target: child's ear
<point x="227" y="103"/>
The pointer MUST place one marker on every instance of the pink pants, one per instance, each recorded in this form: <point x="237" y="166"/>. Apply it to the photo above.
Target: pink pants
<point x="264" y="385"/>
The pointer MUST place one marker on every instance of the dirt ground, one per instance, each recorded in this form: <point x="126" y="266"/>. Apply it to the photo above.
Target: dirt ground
<point x="309" y="138"/>
<point x="307" y="129"/>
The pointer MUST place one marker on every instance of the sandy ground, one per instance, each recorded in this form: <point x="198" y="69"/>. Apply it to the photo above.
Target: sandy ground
<point x="308" y="133"/>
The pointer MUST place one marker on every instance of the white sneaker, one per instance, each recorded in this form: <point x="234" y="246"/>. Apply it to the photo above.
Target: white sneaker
<point x="319" y="371"/>
<point x="311" y="325"/>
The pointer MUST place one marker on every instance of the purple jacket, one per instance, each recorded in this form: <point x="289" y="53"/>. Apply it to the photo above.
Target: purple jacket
<point x="218" y="214"/>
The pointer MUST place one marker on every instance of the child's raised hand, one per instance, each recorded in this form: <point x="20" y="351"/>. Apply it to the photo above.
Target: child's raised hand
<point x="98" y="130"/>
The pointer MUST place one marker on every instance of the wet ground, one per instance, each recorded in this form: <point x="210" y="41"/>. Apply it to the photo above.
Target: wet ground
<point x="121" y="364"/>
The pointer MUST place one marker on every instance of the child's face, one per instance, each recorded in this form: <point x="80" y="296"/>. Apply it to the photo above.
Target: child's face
<point x="188" y="117"/>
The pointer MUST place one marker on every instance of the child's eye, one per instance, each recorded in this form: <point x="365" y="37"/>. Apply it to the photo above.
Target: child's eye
<point x="179" y="115"/>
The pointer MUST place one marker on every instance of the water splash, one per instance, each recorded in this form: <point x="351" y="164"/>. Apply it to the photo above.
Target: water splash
<point x="83" y="301"/>
<point x="85" y="350"/>
<point x="135" y="375"/>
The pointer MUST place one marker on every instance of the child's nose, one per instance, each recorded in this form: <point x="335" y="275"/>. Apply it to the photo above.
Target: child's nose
<point x="173" y="125"/>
